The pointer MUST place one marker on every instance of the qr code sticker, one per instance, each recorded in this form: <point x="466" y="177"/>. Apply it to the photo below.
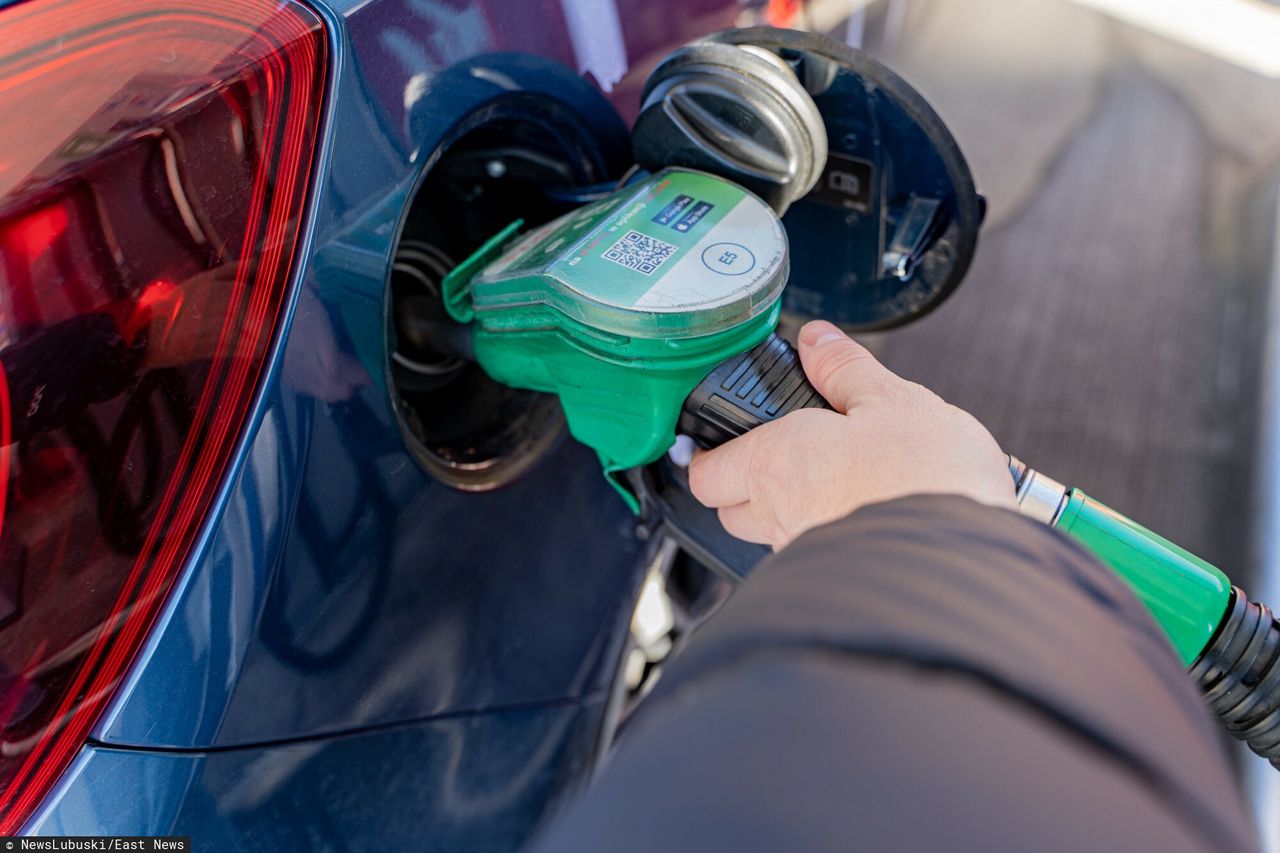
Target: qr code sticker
<point x="639" y="252"/>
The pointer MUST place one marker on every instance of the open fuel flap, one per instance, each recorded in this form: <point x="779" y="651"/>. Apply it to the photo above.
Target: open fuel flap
<point x="778" y="176"/>
<point x="880" y="207"/>
<point x="791" y="177"/>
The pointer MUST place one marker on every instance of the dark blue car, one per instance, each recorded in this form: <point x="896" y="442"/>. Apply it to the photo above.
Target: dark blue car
<point x="267" y="579"/>
<point x="279" y="570"/>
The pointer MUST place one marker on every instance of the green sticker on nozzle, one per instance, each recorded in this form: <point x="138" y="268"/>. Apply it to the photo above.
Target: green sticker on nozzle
<point x="679" y="254"/>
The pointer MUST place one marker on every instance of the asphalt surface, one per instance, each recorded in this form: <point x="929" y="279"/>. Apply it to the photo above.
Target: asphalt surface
<point x="1110" y="330"/>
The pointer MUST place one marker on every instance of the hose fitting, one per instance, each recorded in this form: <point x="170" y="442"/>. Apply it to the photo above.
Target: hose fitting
<point x="1239" y="674"/>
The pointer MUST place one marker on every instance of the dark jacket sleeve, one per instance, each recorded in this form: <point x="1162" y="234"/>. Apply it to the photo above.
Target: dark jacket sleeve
<point x="926" y="674"/>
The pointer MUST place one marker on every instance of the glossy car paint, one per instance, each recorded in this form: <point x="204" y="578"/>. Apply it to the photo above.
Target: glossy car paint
<point x="359" y="656"/>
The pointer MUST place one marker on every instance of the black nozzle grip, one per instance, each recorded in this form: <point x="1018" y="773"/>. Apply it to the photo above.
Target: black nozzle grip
<point x="746" y="391"/>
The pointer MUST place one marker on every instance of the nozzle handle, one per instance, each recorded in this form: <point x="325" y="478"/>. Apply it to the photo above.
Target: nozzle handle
<point x="1230" y="645"/>
<point x="1186" y="595"/>
<point x="746" y="391"/>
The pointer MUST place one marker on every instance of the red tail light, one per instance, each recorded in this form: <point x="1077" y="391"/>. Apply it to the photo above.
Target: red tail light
<point x="153" y="170"/>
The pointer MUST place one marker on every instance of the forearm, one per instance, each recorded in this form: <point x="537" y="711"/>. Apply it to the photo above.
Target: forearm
<point x="921" y="654"/>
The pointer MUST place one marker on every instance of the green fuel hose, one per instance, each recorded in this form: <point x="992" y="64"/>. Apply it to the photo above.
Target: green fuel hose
<point x="1230" y="645"/>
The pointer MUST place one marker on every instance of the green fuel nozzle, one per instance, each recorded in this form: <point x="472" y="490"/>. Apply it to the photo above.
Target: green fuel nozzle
<point x="623" y="306"/>
<point x="653" y="311"/>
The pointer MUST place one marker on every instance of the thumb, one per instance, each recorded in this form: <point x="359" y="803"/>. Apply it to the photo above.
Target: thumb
<point x="842" y="370"/>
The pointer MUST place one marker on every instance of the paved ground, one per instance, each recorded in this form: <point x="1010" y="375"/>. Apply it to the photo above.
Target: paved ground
<point x="1108" y="332"/>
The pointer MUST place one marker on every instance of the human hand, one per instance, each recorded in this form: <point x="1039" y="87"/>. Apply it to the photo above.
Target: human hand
<point x="887" y="438"/>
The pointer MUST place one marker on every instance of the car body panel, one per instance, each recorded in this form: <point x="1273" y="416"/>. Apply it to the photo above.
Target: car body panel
<point x="343" y="606"/>
<point x="344" y="587"/>
<point x="327" y="515"/>
<point x="345" y="792"/>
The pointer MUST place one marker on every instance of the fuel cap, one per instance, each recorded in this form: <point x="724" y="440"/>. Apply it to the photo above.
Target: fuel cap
<point x="736" y="111"/>
<point x="892" y="223"/>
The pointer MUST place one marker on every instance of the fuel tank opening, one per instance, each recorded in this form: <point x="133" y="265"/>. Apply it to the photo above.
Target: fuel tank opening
<point x="520" y="163"/>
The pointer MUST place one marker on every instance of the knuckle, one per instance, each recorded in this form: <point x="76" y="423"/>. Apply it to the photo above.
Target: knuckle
<point x="805" y="425"/>
<point x="761" y="515"/>
<point x="701" y="474"/>
<point x="759" y="466"/>
<point x="880" y="388"/>
<point x="804" y="420"/>
<point x="898" y="391"/>
<point x="731" y="522"/>
<point x="833" y="360"/>
<point x="774" y="531"/>
<point x="696" y="485"/>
